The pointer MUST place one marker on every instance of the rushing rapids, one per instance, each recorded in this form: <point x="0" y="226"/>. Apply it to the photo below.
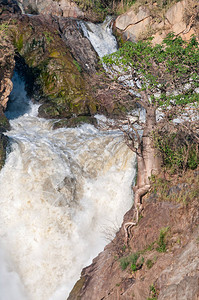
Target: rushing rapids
<point x="62" y="192"/>
<point x="100" y="36"/>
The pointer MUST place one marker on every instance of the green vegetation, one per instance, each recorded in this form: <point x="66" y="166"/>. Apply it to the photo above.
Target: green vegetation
<point x="149" y="263"/>
<point x="18" y="43"/>
<point x="153" y="293"/>
<point x="186" y="190"/>
<point x="132" y="260"/>
<point x="163" y="76"/>
<point x="48" y="37"/>
<point x="104" y="7"/>
<point x="161" y="242"/>
<point x="180" y="150"/>
<point x="174" y="62"/>
<point x="77" y="65"/>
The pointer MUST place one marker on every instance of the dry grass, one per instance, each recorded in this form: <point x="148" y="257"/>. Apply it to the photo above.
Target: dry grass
<point x="178" y="188"/>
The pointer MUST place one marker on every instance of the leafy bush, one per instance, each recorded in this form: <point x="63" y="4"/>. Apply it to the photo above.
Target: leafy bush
<point x="124" y="262"/>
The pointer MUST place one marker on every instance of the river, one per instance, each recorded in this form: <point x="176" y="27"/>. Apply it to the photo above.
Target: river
<point x="63" y="195"/>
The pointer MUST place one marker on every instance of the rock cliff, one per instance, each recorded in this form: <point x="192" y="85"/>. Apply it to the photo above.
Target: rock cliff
<point x="140" y="22"/>
<point x="160" y="260"/>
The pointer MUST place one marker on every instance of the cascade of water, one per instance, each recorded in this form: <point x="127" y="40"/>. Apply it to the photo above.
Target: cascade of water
<point x="59" y="191"/>
<point x="100" y="36"/>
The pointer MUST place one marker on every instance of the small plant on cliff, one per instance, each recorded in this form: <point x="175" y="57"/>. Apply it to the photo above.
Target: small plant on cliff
<point x="149" y="263"/>
<point x="153" y="293"/>
<point x="132" y="260"/>
<point x="161" y="241"/>
<point x="124" y="262"/>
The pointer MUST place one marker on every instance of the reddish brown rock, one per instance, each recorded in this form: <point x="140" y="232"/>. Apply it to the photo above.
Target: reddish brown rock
<point x="173" y="272"/>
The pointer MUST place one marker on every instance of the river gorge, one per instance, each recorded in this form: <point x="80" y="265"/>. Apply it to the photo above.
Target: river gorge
<point x="70" y="189"/>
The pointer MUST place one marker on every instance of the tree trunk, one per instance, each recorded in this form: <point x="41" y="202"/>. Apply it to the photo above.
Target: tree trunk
<point x="148" y="160"/>
<point x="149" y="163"/>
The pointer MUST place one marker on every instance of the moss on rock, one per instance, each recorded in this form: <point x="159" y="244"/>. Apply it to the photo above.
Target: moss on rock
<point x="59" y="81"/>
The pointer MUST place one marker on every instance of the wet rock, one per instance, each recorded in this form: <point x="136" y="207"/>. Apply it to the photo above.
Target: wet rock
<point x="3" y="145"/>
<point x="11" y="6"/>
<point x="7" y="62"/>
<point x="75" y="122"/>
<point x="80" y="46"/>
<point x="4" y="123"/>
<point x="58" y="80"/>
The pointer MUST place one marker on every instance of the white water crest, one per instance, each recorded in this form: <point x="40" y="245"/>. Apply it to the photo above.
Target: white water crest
<point x="62" y="192"/>
<point x="100" y="36"/>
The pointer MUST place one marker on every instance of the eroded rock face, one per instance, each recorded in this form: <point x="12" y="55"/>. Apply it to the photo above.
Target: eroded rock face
<point x="181" y="18"/>
<point x="174" y="273"/>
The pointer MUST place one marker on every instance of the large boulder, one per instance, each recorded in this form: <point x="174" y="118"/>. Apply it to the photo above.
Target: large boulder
<point x="132" y="24"/>
<point x="58" y="77"/>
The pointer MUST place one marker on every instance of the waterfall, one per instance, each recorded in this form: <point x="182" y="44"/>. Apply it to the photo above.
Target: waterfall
<point x="62" y="193"/>
<point x="100" y="36"/>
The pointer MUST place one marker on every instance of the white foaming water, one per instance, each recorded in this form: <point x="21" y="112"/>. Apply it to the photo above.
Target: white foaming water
<point x="59" y="191"/>
<point x="100" y="36"/>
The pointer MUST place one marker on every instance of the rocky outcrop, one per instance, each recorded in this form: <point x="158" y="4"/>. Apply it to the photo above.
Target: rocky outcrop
<point x="79" y="45"/>
<point x="160" y="260"/>
<point x="80" y="9"/>
<point x="6" y="64"/>
<point x="182" y="18"/>
<point x="58" y="79"/>
<point x="62" y="8"/>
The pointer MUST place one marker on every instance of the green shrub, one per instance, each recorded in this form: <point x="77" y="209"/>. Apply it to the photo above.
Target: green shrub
<point x="153" y="293"/>
<point x="133" y="261"/>
<point x="124" y="262"/>
<point x="161" y="242"/>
